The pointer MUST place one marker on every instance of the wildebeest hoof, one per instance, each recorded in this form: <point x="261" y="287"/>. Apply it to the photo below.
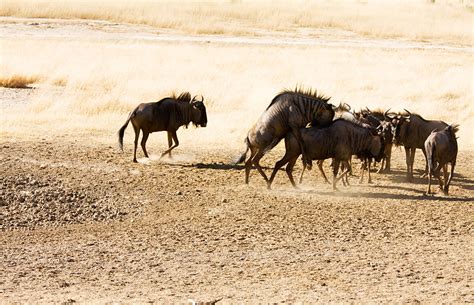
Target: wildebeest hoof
<point x="135" y="161"/>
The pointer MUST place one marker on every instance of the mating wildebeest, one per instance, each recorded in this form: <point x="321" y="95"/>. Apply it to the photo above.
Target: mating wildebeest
<point x="168" y="115"/>
<point x="340" y="141"/>
<point x="411" y="131"/>
<point x="441" y="148"/>
<point x="287" y="113"/>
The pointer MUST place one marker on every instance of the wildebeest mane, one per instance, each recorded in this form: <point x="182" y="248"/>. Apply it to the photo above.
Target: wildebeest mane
<point x="308" y="93"/>
<point x="183" y="97"/>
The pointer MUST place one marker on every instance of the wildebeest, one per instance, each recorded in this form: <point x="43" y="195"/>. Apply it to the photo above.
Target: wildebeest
<point x="385" y="129"/>
<point x="168" y="114"/>
<point x="377" y="119"/>
<point x="287" y="113"/>
<point x="441" y="148"/>
<point x="411" y="131"/>
<point x="340" y="141"/>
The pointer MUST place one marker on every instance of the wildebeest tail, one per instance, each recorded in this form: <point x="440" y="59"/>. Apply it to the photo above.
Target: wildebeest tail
<point x="244" y="154"/>
<point x="430" y="153"/>
<point x="121" y="131"/>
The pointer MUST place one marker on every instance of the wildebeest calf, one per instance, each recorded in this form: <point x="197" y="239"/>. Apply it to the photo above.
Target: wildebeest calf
<point x="168" y="115"/>
<point x="441" y="148"/>
<point x="340" y="141"/>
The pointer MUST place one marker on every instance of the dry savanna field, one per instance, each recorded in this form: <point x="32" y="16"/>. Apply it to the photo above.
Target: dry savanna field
<point x="79" y="222"/>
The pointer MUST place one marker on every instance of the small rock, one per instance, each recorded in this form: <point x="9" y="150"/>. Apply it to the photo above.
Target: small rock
<point x="224" y="200"/>
<point x="43" y="166"/>
<point x="179" y="193"/>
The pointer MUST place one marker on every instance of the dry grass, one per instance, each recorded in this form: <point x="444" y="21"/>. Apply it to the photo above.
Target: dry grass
<point x="446" y="21"/>
<point x="18" y="81"/>
<point x="99" y="82"/>
<point x="104" y="81"/>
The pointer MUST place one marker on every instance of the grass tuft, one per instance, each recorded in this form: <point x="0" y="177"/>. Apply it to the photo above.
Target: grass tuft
<point x="18" y="81"/>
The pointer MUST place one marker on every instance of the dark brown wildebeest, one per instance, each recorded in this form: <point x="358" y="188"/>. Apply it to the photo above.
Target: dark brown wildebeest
<point x="168" y="115"/>
<point x="340" y="141"/>
<point x="411" y="131"/>
<point x="441" y="148"/>
<point x="287" y="113"/>
<point x="377" y="119"/>
<point x="385" y="129"/>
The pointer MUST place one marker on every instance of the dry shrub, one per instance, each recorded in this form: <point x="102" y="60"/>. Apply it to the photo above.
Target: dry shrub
<point x="18" y="81"/>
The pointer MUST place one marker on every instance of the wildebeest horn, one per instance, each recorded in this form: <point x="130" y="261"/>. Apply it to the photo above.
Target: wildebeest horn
<point x="195" y="100"/>
<point x="348" y="106"/>
<point x="409" y="114"/>
<point x="386" y="115"/>
<point x="368" y="110"/>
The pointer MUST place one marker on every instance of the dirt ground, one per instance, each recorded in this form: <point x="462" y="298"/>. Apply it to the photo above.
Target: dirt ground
<point x="83" y="223"/>
<point x="79" y="222"/>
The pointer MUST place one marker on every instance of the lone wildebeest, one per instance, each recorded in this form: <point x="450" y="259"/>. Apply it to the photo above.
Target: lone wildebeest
<point x="340" y="141"/>
<point x="411" y="131"/>
<point x="168" y="115"/>
<point x="441" y="148"/>
<point x="287" y="113"/>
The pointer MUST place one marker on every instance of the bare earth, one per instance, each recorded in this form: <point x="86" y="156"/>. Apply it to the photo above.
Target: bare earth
<point x="80" y="222"/>
<point x="84" y="223"/>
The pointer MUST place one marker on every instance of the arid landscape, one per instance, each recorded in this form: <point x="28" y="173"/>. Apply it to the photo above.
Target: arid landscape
<point x="80" y="222"/>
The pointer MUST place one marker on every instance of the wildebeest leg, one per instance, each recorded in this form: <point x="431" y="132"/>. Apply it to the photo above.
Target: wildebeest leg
<point x="387" y="158"/>
<point x="446" y="184"/>
<point x="170" y="143"/>
<point x="343" y="168"/>
<point x="289" y="170"/>
<point x="363" y="167"/>
<point x="176" y="144"/>
<point x="430" y="172"/>
<point x="135" y="143"/>
<point x="296" y="132"/>
<point x="279" y="164"/>
<point x="426" y="164"/>
<point x="302" y="172"/>
<point x="320" y="166"/>
<point x="408" y="153"/>
<point x="437" y="174"/>
<point x="381" y="165"/>
<point x="335" y="169"/>
<point x="368" y="169"/>
<point x="346" y="170"/>
<point x="412" y="161"/>
<point x="256" y="161"/>
<point x="445" y="174"/>
<point x="143" y="143"/>
<point x="248" y="164"/>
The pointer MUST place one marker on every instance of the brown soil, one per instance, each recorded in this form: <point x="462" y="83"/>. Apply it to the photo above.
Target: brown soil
<point x="81" y="222"/>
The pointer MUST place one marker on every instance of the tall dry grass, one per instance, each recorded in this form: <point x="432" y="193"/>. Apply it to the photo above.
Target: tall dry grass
<point x="446" y="21"/>
<point x="102" y="81"/>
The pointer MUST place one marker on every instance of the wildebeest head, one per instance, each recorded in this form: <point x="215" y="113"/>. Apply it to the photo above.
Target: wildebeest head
<point x="385" y="130"/>
<point x="323" y="116"/>
<point x="199" y="114"/>
<point x="399" y="123"/>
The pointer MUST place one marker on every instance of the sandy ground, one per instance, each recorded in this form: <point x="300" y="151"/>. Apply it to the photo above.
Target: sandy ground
<point x="157" y="231"/>
<point x="81" y="223"/>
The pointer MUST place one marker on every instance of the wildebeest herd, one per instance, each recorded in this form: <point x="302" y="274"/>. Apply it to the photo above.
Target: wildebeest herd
<point x="315" y="129"/>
